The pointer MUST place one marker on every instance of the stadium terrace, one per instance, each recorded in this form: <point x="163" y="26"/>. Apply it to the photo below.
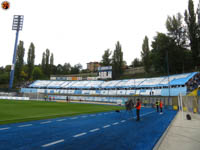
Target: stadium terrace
<point x="159" y="86"/>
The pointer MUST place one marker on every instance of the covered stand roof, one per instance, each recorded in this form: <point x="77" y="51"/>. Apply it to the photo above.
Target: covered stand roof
<point x="179" y="79"/>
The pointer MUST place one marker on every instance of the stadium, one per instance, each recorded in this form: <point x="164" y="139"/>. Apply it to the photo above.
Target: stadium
<point x="144" y="95"/>
<point x="117" y="91"/>
<point x="96" y="112"/>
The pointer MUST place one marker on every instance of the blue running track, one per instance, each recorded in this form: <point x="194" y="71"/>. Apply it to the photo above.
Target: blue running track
<point x="101" y="131"/>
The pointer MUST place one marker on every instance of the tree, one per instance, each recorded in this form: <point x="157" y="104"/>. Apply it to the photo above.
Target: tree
<point x="190" y="19"/>
<point x="19" y="59"/>
<point x="176" y="29"/>
<point x="106" y="60"/>
<point x="117" y="61"/>
<point x="76" y="69"/>
<point x="51" y="63"/>
<point x="47" y="66"/>
<point x="163" y="47"/>
<point x="59" y="69"/>
<point x="66" y="68"/>
<point x="145" y="54"/>
<point x="31" y="59"/>
<point x="43" y="62"/>
<point x="4" y="78"/>
<point x="136" y="63"/>
<point x="177" y="32"/>
<point x="37" y="73"/>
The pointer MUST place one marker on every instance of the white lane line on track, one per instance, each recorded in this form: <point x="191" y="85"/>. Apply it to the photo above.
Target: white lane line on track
<point x="46" y="122"/>
<point x="83" y="116"/>
<point x="147" y="113"/>
<point x="4" y="128"/>
<point x="94" y="130"/>
<point x="115" y="123"/>
<point x="61" y="120"/>
<point x="53" y="143"/>
<point x="142" y="115"/>
<point x="106" y="126"/>
<point x="81" y="134"/>
<point x="123" y="120"/>
<point x="26" y="125"/>
<point x="74" y="118"/>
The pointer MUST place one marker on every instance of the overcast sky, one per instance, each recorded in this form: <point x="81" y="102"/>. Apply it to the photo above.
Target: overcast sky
<point x="79" y="31"/>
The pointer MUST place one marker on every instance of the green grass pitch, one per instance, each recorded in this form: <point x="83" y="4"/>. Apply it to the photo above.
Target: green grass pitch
<point x="12" y="111"/>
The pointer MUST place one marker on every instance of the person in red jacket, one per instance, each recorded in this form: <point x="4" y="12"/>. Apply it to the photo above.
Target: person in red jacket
<point x="161" y="106"/>
<point x="138" y="107"/>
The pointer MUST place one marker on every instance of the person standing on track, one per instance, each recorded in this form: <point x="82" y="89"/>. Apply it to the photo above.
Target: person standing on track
<point x="138" y="107"/>
<point x="157" y="106"/>
<point x="161" y="105"/>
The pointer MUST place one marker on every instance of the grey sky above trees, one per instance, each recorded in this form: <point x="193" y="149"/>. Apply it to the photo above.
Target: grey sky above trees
<point x="81" y="31"/>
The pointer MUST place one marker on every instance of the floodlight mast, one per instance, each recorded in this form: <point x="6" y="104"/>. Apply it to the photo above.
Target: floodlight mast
<point x="17" y="25"/>
<point x="198" y="12"/>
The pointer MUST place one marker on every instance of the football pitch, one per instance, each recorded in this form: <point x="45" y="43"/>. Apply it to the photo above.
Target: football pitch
<point x="20" y="111"/>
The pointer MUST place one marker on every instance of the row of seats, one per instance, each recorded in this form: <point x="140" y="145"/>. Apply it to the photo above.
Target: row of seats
<point x="180" y="79"/>
<point x="156" y="92"/>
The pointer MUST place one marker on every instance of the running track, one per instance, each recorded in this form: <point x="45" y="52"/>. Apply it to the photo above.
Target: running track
<point x="101" y="131"/>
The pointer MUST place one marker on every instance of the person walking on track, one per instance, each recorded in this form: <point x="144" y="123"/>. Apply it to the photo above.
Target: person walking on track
<point x="157" y="106"/>
<point x="138" y="107"/>
<point x="161" y="106"/>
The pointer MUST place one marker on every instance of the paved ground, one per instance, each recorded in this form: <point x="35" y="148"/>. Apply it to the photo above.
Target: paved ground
<point x="182" y="134"/>
<point x="101" y="131"/>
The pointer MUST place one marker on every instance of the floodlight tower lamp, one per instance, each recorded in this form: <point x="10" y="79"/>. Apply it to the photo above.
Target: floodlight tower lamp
<point x="17" y="25"/>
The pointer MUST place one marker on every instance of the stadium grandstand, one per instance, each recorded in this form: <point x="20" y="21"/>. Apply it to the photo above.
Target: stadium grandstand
<point x="110" y="91"/>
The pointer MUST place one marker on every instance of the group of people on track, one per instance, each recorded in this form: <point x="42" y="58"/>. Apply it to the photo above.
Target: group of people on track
<point x="159" y="106"/>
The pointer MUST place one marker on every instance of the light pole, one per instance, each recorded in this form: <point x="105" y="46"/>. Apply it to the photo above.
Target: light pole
<point x="17" y="25"/>
<point x="168" y="75"/>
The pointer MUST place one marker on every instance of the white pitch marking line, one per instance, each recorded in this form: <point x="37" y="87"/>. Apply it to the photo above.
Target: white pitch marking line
<point x="46" y="122"/>
<point x="123" y="120"/>
<point x="4" y="128"/>
<point x="53" y="143"/>
<point x="26" y="125"/>
<point x="115" y="123"/>
<point x="61" y="120"/>
<point x="94" y="130"/>
<point x="106" y="126"/>
<point x="81" y="134"/>
<point x="74" y="118"/>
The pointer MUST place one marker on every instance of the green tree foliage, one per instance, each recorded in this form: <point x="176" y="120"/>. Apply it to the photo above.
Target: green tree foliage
<point x="145" y="54"/>
<point x="31" y="60"/>
<point x="192" y="30"/>
<point x="47" y="65"/>
<point x="66" y="68"/>
<point x="117" y="61"/>
<point x="176" y="30"/>
<point x="136" y="63"/>
<point x="164" y="46"/>
<point x="4" y="78"/>
<point x="37" y="73"/>
<point x="52" y="63"/>
<point x="76" y="68"/>
<point x="106" y="60"/>
<point x="43" y="62"/>
<point x="19" y="60"/>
